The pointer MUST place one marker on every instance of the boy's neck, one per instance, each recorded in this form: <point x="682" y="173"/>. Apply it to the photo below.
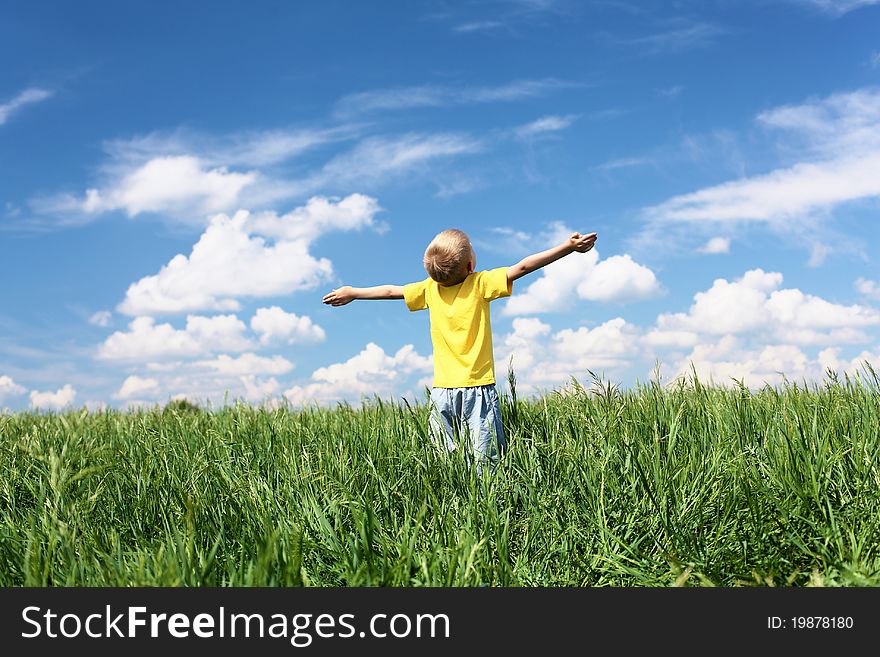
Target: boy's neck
<point x="456" y="283"/>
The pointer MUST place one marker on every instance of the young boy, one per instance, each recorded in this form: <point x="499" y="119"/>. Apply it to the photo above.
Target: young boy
<point x="463" y="398"/>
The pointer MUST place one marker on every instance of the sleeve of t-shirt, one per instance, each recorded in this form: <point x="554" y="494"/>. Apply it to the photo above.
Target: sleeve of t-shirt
<point x="494" y="284"/>
<point x="414" y="294"/>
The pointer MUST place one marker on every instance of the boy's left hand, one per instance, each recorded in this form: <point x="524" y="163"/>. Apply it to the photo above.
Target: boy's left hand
<point x="339" y="296"/>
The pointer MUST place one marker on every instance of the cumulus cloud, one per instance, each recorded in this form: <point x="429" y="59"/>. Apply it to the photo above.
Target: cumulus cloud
<point x="369" y="372"/>
<point x="727" y="361"/>
<point x="216" y="380"/>
<point x="754" y="303"/>
<point x="184" y="178"/>
<point x="146" y="340"/>
<point x="246" y="365"/>
<point x="135" y="386"/>
<point x="275" y="325"/>
<point x="584" y="276"/>
<point x="543" y="359"/>
<point x="318" y="216"/>
<point x="869" y="288"/>
<point x="260" y="389"/>
<point x="716" y="245"/>
<point x="233" y="258"/>
<point x="618" y="279"/>
<point x="53" y="400"/>
<point x="179" y="185"/>
<point x="749" y="329"/>
<point x="187" y="177"/>
<point x="26" y="97"/>
<point x="830" y="359"/>
<point x="9" y="388"/>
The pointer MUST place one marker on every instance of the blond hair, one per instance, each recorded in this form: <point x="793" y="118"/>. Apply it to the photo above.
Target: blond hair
<point x="447" y="256"/>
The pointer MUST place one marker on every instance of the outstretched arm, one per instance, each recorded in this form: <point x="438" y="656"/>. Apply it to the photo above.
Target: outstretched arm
<point x="577" y="242"/>
<point x="346" y="294"/>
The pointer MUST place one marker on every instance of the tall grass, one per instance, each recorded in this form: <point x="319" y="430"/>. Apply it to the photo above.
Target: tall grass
<point x="686" y="484"/>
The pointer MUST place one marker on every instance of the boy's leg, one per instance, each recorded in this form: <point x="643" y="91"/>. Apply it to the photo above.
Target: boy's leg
<point x="483" y="416"/>
<point x="444" y="417"/>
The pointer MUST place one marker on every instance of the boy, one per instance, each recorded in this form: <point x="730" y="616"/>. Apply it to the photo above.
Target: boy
<point x="457" y="298"/>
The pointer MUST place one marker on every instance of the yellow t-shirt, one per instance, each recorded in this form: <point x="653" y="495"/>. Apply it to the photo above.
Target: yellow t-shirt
<point x="460" y="330"/>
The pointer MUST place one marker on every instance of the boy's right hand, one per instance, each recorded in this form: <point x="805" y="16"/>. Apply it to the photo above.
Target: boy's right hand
<point x="340" y="296"/>
<point x="582" y="243"/>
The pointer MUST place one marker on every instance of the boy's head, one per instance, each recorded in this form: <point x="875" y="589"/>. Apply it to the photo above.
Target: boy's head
<point x="450" y="257"/>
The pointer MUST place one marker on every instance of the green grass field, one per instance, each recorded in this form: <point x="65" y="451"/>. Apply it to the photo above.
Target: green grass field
<point x="656" y="486"/>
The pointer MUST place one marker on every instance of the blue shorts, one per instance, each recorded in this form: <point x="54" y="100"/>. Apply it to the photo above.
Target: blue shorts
<point x="470" y="417"/>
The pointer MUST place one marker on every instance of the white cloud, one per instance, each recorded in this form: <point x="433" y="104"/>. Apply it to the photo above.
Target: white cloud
<point x="618" y="279"/>
<point x="376" y="159"/>
<point x="521" y="343"/>
<point x="727" y="307"/>
<point x="478" y="26"/>
<point x="543" y="360"/>
<point x="836" y="7"/>
<point x="749" y="329"/>
<point x="9" y="388"/>
<point x="188" y="176"/>
<point x="869" y="288"/>
<point x="246" y="365"/>
<point x="258" y="148"/>
<point x="275" y="325"/>
<point x="503" y="240"/>
<point x="101" y="318"/>
<point x="369" y="372"/>
<point x="187" y="179"/>
<point x="26" y="97"/>
<point x="210" y="381"/>
<point x="555" y="288"/>
<point x="726" y="361"/>
<point x="830" y="359"/>
<point x="582" y="276"/>
<point x="232" y="260"/>
<point x="134" y="386"/>
<point x="754" y="304"/>
<point x="178" y="185"/>
<point x="658" y="338"/>
<point x="836" y="139"/>
<point x="875" y="59"/>
<point x="838" y="125"/>
<point x="670" y="92"/>
<point x="146" y="340"/>
<point x="401" y="98"/>
<point x="779" y="196"/>
<point x="544" y="125"/>
<point x="716" y="245"/>
<point x="623" y="163"/>
<point x="678" y="38"/>
<point x="53" y="400"/>
<point x="318" y="216"/>
<point x="611" y="345"/>
<point x="259" y="389"/>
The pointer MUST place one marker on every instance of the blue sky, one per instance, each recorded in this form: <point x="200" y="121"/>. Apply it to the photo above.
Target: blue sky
<point x="180" y="183"/>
